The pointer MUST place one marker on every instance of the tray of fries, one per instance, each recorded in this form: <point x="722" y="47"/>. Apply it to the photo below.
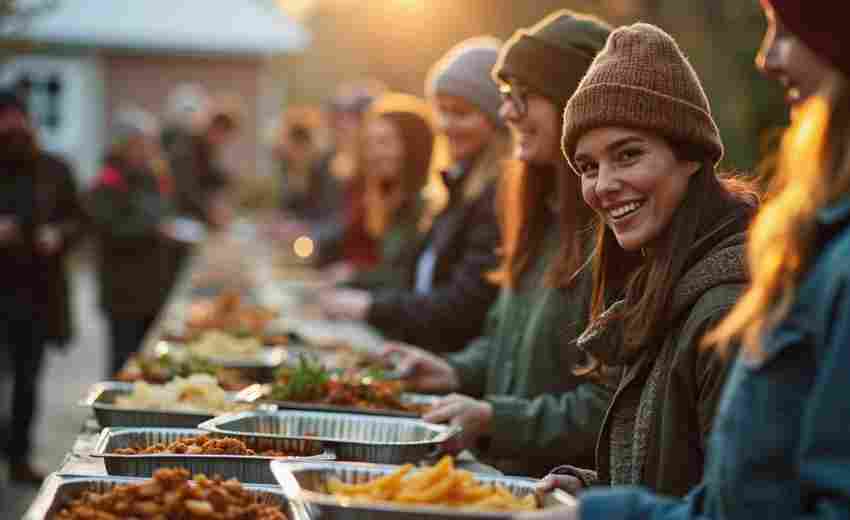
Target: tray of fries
<point x="139" y="452"/>
<point x="357" y="491"/>
<point x="353" y="437"/>
<point x="59" y="491"/>
<point x="102" y="398"/>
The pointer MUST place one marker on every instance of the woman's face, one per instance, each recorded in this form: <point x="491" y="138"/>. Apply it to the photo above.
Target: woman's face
<point x="786" y="59"/>
<point x="140" y="151"/>
<point x="536" y="124"/>
<point x="633" y="180"/>
<point x="467" y="129"/>
<point x="383" y="150"/>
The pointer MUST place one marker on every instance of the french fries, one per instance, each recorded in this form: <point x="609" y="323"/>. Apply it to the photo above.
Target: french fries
<point x="439" y="485"/>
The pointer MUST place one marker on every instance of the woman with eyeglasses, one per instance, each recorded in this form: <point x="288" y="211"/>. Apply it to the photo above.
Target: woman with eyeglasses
<point x="445" y="300"/>
<point x="668" y="264"/>
<point x="518" y="401"/>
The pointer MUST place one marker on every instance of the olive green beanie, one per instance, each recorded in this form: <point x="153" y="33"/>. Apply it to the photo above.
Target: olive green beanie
<point x="642" y="80"/>
<point x="552" y="56"/>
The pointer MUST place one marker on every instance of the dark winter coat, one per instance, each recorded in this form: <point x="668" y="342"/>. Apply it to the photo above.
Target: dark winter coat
<point x="464" y="236"/>
<point x="127" y="207"/>
<point x="34" y="286"/>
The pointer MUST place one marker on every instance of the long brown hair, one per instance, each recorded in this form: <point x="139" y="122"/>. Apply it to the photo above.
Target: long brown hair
<point x="647" y="283"/>
<point x="524" y="193"/>
<point x="411" y="118"/>
<point x="813" y="172"/>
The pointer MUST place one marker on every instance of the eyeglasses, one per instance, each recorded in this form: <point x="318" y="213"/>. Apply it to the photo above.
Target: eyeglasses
<point x="517" y="95"/>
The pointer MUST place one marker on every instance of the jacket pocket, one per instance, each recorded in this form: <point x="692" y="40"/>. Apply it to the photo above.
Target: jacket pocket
<point x="774" y="344"/>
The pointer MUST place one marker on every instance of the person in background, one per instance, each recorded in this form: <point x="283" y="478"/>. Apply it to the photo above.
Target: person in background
<point x="519" y="402"/>
<point x="338" y="175"/>
<point x="779" y="447"/>
<point x="130" y="208"/>
<point x="397" y="146"/>
<point x="669" y="258"/>
<point x="298" y="146"/>
<point x="40" y="222"/>
<point x="450" y="275"/>
<point x="201" y="183"/>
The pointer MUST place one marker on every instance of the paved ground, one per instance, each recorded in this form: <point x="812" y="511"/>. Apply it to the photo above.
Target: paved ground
<point x="66" y="378"/>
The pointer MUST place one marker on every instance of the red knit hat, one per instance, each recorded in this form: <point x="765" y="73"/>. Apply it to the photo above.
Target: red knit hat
<point x="818" y="27"/>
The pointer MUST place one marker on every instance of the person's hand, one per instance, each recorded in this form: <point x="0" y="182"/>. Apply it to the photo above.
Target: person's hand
<point x="337" y="273"/>
<point x="9" y="229"/>
<point x="570" y="512"/>
<point x="345" y="304"/>
<point x="568" y="483"/>
<point x="472" y="415"/>
<point x="220" y="212"/>
<point x="168" y="229"/>
<point x="48" y="240"/>
<point x="421" y="370"/>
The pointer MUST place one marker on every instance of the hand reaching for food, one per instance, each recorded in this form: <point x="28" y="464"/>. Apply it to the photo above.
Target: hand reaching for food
<point x="472" y="415"/>
<point x="421" y="370"/>
<point x="570" y="512"/>
<point x="345" y="304"/>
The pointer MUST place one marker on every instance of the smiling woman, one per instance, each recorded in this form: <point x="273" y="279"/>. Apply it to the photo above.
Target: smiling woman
<point x="669" y="255"/>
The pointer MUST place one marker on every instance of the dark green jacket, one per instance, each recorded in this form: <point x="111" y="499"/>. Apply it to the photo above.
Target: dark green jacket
<point x="668" y="440"/>
<point x="398" y="255"/>
<point x="523" y="366"/>
<point x="134" y="269"/>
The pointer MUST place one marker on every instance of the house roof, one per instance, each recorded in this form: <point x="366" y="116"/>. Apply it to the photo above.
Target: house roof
<point x="194" y="26"/>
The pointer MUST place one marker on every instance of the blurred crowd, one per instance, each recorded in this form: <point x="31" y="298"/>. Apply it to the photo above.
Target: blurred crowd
<point x="546" y="238"/>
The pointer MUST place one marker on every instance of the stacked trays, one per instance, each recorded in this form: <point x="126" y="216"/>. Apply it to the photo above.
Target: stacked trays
<point x="245" y="468"/>
<point x="359" y="438"/>
<point x="304" y="485"/>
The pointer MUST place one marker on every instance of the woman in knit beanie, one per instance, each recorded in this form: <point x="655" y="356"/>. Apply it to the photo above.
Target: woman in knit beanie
<point x="518" y="375"/>
<point x="779" y="446"/>
<point x="395" y="161"/>
<point x="668" y="261"/>
<point x="449" y="271"/>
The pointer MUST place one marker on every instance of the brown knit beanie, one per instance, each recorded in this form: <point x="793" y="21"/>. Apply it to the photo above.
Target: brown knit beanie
<point x="552" y="56"/>
<point x="642" y="80"/>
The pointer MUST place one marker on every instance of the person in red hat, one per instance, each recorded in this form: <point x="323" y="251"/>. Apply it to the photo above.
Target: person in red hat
<point x="780" y="445"/>
<point x="800" y="48"/>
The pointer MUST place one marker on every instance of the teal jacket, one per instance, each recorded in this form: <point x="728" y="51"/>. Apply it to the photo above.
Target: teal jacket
<point x="523" y="366"/>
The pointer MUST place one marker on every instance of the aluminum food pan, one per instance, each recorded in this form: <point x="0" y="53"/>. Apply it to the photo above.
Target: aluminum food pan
<point x="246" y="468"/>
<point x="58" y="490"/>
<point x="304" y="484"/>
<point x="359" y="438"/>
<point x="269" y="358"/>
<point x="256" y="393"/>
<point x="101" y="399"/>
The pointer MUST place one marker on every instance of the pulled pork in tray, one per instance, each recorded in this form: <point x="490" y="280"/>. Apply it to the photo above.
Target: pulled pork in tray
<point x="171" y="495"/>
<point x="202" y="445"/>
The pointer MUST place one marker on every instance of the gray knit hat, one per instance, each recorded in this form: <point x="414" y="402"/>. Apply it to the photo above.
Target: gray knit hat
<point x="642" y="80"/>
<point x="464" y="71"/>
<point x="132" y="121"/>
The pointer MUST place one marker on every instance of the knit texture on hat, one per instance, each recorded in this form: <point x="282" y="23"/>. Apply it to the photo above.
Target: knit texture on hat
<point x="642" y="80"/>
<point x="552" y="56"/>
<point x="465" y="72"/>
<point x="818" y="27"/>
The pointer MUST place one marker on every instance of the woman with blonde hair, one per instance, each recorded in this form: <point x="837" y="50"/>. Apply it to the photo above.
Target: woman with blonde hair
<point x="452" y="262"/>
<point x="779" y="447"/>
